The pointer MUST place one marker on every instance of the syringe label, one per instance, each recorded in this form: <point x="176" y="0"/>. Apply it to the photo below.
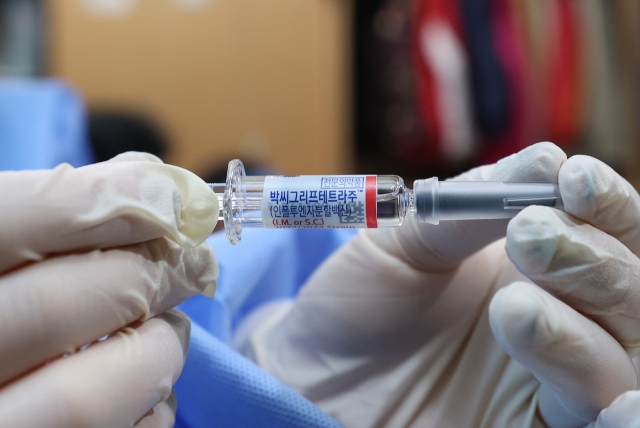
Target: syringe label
<point x="320" y="202"/>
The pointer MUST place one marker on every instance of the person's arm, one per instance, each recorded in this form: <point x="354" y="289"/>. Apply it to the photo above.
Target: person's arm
<point x="409" y="326"/>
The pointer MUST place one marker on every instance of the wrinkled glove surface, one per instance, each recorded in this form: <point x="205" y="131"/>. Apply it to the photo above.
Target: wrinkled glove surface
<point x="439" y="326"/>
<point x="103" y="250"/>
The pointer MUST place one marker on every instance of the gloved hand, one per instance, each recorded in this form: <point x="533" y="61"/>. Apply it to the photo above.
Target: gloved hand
<point x="409" y="326"/>
<point x="623" y="413"/>
<point x="106" y="249"/>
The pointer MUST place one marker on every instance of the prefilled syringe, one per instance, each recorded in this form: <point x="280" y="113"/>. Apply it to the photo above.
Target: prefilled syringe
<point x="365" y="201"/>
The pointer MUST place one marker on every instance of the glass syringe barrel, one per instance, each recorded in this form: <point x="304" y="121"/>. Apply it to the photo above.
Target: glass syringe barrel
<point x="361" y="201"/>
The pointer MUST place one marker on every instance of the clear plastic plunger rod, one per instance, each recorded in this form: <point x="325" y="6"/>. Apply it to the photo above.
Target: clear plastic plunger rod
<point x="366" y="201"/>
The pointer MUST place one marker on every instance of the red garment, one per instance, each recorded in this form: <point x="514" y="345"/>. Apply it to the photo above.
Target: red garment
<point x="565" y="76"/>
<point x="429" y="12"/>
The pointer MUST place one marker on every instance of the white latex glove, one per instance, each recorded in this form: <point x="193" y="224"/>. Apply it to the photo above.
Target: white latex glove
<point x="84" y="254"/>
<point x="395" y="329"/>
<point x="623" y="413"/>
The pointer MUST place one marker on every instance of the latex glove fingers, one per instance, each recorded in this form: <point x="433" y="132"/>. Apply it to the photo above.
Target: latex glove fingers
<point x="583" y="266"/>
<point x="113" y="383"/>
<point x="62" y="303"/>
<point x="443" y="246"/>
<point x="100" y="206"/>
<point x="135" y="157"/>
<point x="595" y="193"/>
<point x="581" y="367"/>
<point x="623" y="413"/>
<point x="163" y="415"/>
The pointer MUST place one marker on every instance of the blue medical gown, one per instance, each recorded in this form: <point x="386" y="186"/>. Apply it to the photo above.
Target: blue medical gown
<point x="42" y="124"/>
<point x="220" y="388"/>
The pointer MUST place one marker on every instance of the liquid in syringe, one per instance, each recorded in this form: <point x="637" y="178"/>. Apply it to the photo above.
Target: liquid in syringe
<point x="365" y="201"/>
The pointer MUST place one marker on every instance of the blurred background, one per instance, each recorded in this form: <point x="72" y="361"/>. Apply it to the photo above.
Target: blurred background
<point x="409" y="87"/>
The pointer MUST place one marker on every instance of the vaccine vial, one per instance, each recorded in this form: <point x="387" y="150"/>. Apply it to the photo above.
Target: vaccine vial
<point x="365" y="201"/>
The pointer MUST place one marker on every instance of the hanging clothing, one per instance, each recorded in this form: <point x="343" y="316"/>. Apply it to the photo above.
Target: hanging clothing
<point x="510" y="51"/>
<point x="491" y="103"/>
<point x="566" y="68"/>
<point x="443" y="80"/>
<point x="606" y="127"/>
